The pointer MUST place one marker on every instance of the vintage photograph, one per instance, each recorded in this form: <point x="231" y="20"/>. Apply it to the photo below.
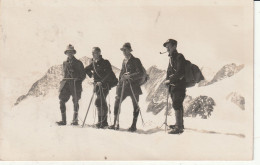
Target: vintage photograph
<point x="121" y="80"/>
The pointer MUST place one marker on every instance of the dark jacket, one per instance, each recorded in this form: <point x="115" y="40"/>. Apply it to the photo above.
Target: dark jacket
<point x="134" y="67"/>
<point x="73" y="68"/>
<point x="176" y="71"/>
<point x="101" y="71"/>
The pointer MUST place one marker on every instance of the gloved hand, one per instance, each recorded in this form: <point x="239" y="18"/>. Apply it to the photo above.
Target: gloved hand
<point x="99" y="83"/>
<point x="167" y="82"/>
<point x="71" y="70"/>
<point x="125" y="76"/>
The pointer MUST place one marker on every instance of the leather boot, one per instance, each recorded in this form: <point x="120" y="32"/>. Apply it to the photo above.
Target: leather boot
<point x="114" y="126"/>
<point x="133" y="126"/>
<point x="103" y="122"/>
<point x="63" y="119"/>
<point x="104" y="117"/>
<point x="178" y="118"/>
<point x="178" y="129"/>
<point x="99" y="122"/>
<point x="75" y="119"/>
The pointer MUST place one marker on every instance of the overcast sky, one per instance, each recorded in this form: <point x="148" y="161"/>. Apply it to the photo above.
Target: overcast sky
<point x="210" y="34"/>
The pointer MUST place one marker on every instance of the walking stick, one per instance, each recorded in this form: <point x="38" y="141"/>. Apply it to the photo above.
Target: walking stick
<point x="100" y="95"/>
<point x="167" y="108"/>
<point x="108" y="106"/>
<point x="120" y="102"/>
<point x="75" y="93"/>
<point x="109" y="110"/>
<point x="88" y="107"/>
<point x="136" y="102"/>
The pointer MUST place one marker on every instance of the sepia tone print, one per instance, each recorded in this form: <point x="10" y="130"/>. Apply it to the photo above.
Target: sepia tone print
<point x="126" y="80"/>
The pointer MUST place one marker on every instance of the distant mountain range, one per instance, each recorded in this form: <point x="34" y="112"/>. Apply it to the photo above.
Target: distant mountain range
<point x="156" y="90"/>
<point x="51" y="80"/>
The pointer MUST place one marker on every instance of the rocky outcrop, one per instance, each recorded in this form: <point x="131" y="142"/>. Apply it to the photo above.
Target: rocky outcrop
<point x="226" y="71"/>
<point x="237" y="99"/>
<point x="201" y="106"/>
<point x="157" y="91"/>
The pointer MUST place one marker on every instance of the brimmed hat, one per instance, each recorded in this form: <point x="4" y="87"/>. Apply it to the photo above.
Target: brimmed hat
<point x="70" y="48"/>
<point x="96" y="49"/>
<point x="126" y="46"/>
<point x="172" y="41"/>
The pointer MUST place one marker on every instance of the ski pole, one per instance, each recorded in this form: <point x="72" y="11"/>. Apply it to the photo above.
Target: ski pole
<point x="120" y="102"/>
<point x="136" y="102"/>
<point x="108" y="107"/>
<point x="167" y="108"/>
<point x="100" y="95"/>
<point x="88" y="107"/>
<point x="109" y="110"/>
<point x="76" y="97"/>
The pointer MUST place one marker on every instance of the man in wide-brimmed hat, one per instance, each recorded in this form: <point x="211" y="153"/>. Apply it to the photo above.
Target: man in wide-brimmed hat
<point x="175" y="79"/>
<point x="131" y="71"/>
<point x="71" y="84"/>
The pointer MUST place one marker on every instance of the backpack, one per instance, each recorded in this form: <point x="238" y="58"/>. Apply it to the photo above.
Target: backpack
<point x="145" y="77"/>
<point x="193" y="74"/>
<point x="113" y="81"/>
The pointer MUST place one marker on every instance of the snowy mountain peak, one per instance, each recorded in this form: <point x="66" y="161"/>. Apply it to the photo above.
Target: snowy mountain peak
<point x="225" y="72"/>
<point x="51" y="81"/>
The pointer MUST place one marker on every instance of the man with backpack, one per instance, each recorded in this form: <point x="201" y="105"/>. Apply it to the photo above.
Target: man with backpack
<point x="129" y="85"/>
<point x="176" y="82"/>
<point x="104" y="80"/>
<point x="71" y="84"/>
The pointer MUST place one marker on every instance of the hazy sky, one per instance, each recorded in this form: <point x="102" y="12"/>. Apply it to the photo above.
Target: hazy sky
<point x="34" y="34"/>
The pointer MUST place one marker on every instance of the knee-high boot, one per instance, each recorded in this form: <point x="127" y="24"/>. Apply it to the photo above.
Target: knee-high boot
<point x="178" y="128"/>
<point x="63" y="114"/>
<point x="133" y="126"/>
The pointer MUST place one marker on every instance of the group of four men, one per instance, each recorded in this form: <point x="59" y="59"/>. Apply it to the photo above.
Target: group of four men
<point x="101" y="70"/>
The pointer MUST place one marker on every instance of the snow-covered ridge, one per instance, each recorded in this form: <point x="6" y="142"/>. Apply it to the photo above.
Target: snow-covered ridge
<point x="226" y="71"/>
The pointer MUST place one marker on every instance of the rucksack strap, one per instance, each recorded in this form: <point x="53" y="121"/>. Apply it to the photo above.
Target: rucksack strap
<point x="96" y="70"/>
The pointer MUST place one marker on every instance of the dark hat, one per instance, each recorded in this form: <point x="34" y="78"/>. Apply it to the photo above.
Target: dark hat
<point x="70" y="48"/>
<point x="96" y="49"/>
<point x="127" y="46"/>
<point x="172" y="41"/>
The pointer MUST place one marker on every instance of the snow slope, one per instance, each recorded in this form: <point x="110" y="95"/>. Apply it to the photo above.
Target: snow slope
<point x="28" y="131"/>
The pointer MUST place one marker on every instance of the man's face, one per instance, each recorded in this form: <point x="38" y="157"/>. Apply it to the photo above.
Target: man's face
<point x="96" y="54"/>
<point x="126" y="52"/>
<point x="70" y="53"/>
<point x="170" y="47"/>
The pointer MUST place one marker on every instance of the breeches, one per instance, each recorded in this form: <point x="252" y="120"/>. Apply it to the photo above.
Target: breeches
<point x="177" y="97"/>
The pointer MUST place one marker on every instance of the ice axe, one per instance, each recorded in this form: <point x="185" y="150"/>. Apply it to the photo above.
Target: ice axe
<point x="167" y="110"/>
<point x="89" y="106"/>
